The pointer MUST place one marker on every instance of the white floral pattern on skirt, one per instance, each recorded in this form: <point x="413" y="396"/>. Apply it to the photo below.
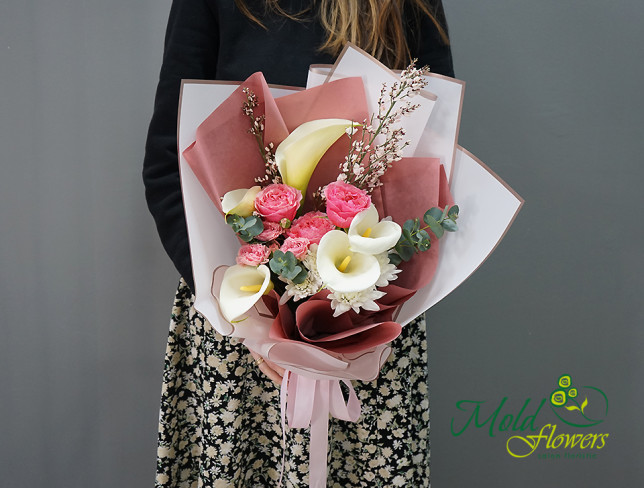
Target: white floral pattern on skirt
<point x="220" y="417"/>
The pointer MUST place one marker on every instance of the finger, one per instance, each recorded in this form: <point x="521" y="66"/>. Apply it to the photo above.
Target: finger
<point x="277" y="379"/>
<point x="278" y="369"/>
<point x="267" y="369"/>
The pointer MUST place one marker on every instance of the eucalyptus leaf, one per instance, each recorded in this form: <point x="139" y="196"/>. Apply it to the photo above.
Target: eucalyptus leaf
<point x="293" y="272"/>
<point x="444" y="214"/>
<point x="453" y="212"/>
<point x="394" y="258"/>
<point x="256" y="229"/>
<point x="406" y="252"/>
<point x="434" y="225"/>
<point x="449" y="225"/>
<point x="435" y="212"/>
<point x="244" y="236"/>
<point x="425" y="241"/>
<point x="302" y="275"/>
<point x="278" y="262"/>
<point x="416" y="226"/>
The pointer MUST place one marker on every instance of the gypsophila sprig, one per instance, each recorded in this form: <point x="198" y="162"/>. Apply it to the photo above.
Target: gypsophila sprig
<point x="368" y="159"/>
<point x="257" y="129"/>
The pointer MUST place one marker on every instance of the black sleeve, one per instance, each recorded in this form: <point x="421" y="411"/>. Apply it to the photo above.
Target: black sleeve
<point x="425" y="42"/>
<point x="190" y="51"/>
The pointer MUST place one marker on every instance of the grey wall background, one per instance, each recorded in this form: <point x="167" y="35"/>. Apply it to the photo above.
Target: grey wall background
<point x="553" y="104"/>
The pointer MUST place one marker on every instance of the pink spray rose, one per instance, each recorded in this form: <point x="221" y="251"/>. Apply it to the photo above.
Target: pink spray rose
<point x="253" y="254"/>
<point x="273" y="246"/>
<point x="311" y="226"/>
<point x="277" y="202"/>
<point x="297" y="245"/>
<point x="272" y="230"/>
<point x="345" y="201"/>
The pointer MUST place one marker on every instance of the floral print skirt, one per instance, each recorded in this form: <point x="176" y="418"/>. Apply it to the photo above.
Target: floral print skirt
<point x="220" y="424"/>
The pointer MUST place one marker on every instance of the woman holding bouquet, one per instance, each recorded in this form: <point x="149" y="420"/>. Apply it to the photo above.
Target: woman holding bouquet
<point x="220" y="407"/>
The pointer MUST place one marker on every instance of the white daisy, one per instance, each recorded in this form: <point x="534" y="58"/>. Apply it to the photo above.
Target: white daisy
<point x="388" y="271"/>
<point x="343" y="302"/>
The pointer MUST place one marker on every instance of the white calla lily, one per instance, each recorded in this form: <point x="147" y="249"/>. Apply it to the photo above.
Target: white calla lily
<point x="369" y="236"/>
<point x="241" y="288"/>
<point x="240" y="202"/>
<point x="298" y="154"/>
<point x="342" y="269"/>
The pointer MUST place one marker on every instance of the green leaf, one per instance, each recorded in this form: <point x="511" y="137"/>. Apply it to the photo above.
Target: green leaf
<point x="394" y="258"/>
<point x="583" y="405"/>
<point x="293" y="273"/>
<point x="408" y="226"/>
<point x="433" y="224"/>
<point x="277" y="262"/>
<point x="435" y="212"/>
<point x="572" y="407"/>
<point x="424" y="242"/>
<point x="302" y="275"/>
<point x="453" y="212"/>
<point x="416" y="226"/>
<point x="449" y="225"/>
<point x="407" y="235"/>
<point x="235" y="221"/>
<point x="245" y="236"/>
<point x="256" y="228"/>
<point x="444" y="213"/>
<point x="406" y="252"/>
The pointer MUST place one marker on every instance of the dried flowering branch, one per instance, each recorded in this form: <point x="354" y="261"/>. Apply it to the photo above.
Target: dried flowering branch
<point x="257" y="129"/>
<point x="393" y="104"/>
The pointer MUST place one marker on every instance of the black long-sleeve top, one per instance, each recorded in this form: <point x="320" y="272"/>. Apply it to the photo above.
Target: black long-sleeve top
<point x="212" y="39"/>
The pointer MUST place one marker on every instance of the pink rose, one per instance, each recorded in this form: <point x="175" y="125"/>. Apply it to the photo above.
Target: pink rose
<point x="253" y="254"/>
<point x="277" y="202"/>
<point x="273" y="246"/>
<point x="345" y="201"/>
<point x="297" y="245"/>
<point x="311" y="226"/>
<point x="272" y="230"/>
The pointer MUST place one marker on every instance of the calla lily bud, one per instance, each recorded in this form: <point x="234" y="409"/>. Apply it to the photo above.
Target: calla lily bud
<point x="240" y="202"/>
<point x="342" y="269"/>
<point x="241" y="288"/>
<point x="369" y="236"/>
<point x="298" y="154"/>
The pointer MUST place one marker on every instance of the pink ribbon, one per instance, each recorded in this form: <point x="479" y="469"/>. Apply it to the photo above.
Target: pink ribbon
<point x="308" y="402"/>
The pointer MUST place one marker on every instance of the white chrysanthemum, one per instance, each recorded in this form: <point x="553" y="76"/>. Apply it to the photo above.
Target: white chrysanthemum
<point x="343" y="302"/>
<point x="311" y="257"/>
<point x="311" y="285"/>
<point x="388" y="271"/>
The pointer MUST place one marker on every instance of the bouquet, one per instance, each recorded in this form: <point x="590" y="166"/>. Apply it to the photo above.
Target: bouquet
<point x="314" y="219"/>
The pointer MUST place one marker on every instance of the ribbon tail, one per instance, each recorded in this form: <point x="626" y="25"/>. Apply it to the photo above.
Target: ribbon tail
<point x="319" y="436"/>
<point x="283" y="399"/>
<point x="307" y="402"/>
